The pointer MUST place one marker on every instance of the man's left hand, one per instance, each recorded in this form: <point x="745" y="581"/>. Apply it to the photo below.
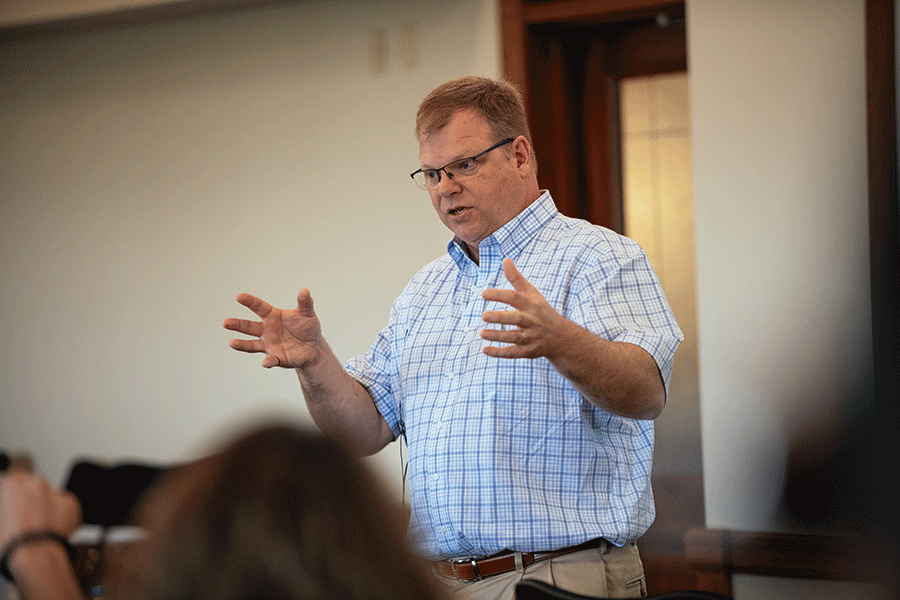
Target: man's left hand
<point x="532" y="328"/>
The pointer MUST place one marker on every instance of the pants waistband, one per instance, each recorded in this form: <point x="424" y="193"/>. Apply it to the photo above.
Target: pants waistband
<point x="477" y="568"/>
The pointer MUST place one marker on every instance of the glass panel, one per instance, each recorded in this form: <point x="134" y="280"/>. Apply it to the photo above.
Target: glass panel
<point x="659" y="215"/>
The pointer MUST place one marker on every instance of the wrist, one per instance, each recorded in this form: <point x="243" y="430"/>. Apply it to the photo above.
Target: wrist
<point x="570" y="340"/>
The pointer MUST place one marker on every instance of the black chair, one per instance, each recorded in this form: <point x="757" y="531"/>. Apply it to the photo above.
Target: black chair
<point x="109" y="493"/>
<point x="532" y="589"/>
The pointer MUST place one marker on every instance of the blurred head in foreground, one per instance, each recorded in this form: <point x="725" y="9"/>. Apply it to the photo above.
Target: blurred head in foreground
<point x="279" y="514"/>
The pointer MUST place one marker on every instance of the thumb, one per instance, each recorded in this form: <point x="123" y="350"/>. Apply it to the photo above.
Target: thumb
<point x="305" y="303"/>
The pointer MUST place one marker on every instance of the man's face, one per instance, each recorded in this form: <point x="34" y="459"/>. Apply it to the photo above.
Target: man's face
<point x="474" y="208"/>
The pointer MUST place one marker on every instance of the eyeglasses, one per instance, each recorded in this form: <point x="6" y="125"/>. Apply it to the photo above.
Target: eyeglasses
<point x="461" y="168"/>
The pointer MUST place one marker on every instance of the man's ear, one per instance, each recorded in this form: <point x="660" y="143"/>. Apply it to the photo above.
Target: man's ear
<point x="522" y="152"/>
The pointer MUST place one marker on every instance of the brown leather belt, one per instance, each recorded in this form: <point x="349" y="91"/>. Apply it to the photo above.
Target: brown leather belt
<point x="475" y="569"/>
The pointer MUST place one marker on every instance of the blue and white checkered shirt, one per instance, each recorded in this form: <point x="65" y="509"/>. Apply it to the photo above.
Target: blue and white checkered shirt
<point x="505" y="453"/>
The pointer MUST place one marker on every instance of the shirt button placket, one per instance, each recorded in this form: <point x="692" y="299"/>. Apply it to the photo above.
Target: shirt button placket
<point x="438" y="439"/>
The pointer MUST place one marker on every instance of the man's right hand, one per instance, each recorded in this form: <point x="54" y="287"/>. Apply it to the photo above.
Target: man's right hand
<point x="292" y="339"/>
<point x="289" y="338"/>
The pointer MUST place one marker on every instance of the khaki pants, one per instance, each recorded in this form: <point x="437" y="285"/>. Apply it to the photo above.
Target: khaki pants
<point x="605" y="572"/>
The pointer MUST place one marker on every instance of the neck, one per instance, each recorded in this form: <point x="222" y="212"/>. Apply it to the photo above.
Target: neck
<point x="472" y="251"/>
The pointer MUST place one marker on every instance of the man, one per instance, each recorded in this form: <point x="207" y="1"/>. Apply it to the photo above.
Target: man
<point x="523" y="368"/>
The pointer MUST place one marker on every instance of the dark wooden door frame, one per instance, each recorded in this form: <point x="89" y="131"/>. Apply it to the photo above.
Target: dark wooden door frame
<point x="568" y="58"/>
<point x="884" y="222"/>
<point x="883" y="420"/>
<point x="517" y="15"/>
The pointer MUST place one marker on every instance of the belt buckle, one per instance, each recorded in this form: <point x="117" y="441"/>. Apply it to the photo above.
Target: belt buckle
<point x="470" y="560"/>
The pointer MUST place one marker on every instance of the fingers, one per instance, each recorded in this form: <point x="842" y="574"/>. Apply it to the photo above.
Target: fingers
<point x="516" y="342"/>
<point x="257" y="305"/>
<point x="528" y="328"/>
<point x="69" y="514"/>
<point x="504" y="318"/>
<point x="244" y="326"/>
<point x="512" y="322"/>
<point x="28" y="502"/>
<point x="250" y="346"/>
<point x="505" y="336"/>
<point x="514" y="277"/>
<point x="507" y="352"/>
<point x="270" y="361"/>
<point x="263" y="309"/>
<point x="513" y="298"/>
<point x="283" y="335"/>
<point x="516" y="297"/>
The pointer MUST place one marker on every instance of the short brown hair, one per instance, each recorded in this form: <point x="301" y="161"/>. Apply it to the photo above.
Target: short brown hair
<point x="498" y="102"/>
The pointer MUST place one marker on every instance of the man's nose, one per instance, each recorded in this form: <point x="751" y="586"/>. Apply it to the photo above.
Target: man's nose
<point x="446" y="184"/>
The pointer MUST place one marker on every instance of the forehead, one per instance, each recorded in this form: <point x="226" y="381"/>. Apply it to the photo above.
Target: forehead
<point x="463" y="136"/>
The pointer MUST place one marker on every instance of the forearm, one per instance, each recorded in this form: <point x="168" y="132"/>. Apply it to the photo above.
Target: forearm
<point x="619" y="377"/>
<point x="42" y="571"/>
<point x="340" y="406"/>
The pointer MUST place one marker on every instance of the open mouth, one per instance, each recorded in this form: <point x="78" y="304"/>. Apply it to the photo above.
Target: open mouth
<point x="456" y="211"/>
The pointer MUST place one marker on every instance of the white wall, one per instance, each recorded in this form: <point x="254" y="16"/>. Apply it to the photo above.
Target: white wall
<point x="148" y="175"/>
<point x="782" y="233"/>
<point x="780" y="180"/>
